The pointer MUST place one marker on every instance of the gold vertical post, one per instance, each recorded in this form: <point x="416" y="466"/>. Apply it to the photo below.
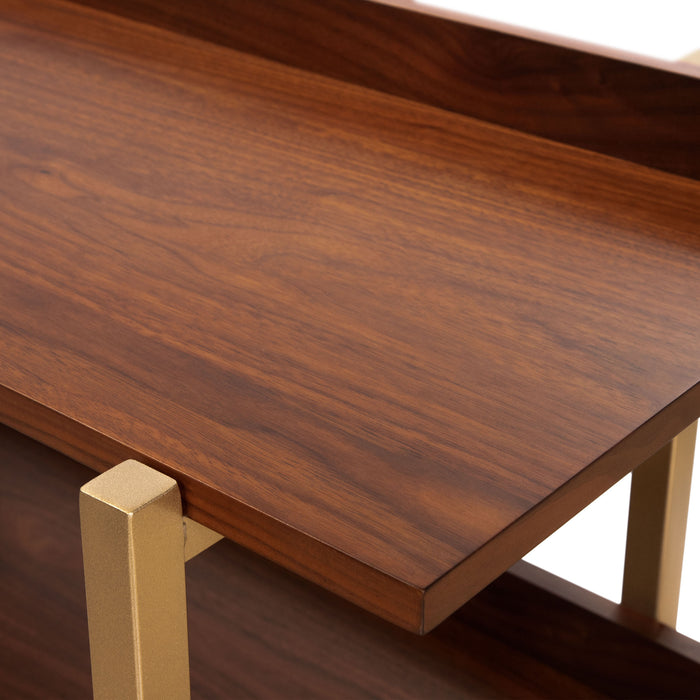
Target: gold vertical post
<point x="134" y="559"/>
<point x="656" y="529"/>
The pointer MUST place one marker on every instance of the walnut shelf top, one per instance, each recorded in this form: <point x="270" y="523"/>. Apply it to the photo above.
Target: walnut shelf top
<point x="389" y="347"/>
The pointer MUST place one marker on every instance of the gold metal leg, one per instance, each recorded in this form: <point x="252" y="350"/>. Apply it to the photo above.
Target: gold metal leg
<point x="134" y="547"/>
<point x="656" y="529"/>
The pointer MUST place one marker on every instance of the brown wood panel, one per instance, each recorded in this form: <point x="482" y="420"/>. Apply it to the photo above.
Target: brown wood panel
<point x="630" y="111"/>
<point x="387" y="346"/>
<point x="44" y="649"/>
<point x="616" y="651"/>
<point x="258" y="632"/>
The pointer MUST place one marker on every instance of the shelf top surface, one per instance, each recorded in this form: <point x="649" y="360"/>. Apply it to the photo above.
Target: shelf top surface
<point x="369" y="337"/>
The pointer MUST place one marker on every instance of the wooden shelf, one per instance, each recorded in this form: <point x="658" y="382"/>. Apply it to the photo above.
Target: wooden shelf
<point x="387" y="346"/>
<point x="609" y="106"/>
<point x="257" y="631"/>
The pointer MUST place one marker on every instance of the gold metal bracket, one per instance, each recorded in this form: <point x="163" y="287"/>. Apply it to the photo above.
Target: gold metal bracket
<point x="656" y="529"/>
<point x="135" y="544"/>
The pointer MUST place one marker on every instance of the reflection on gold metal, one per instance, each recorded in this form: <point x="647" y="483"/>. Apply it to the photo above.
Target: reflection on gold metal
<point x="692" y="58"/>
<point x="134" y="559"/>
<point x="656" y="529"/>
<point x="198" y="538"/>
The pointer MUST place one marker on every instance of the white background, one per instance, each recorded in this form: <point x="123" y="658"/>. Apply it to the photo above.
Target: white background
<point x="659" y="34"/>
<point x="668" y="30"/>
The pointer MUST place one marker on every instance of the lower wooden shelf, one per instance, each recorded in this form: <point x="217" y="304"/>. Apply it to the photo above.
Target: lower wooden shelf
<point x="257" y="631"/>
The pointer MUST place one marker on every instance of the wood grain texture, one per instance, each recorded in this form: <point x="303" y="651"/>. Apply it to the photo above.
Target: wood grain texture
<point x="257" y="631"/>
<point x="617" y="651"/>
<point x="44" y="649"/>
<point x="387" y="346"/>
<point x="629" y="111"/>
